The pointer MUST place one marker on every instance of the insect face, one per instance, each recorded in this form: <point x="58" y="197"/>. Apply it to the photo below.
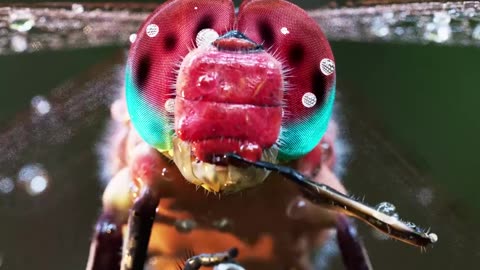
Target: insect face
<point x="228" y="99"/>
<point x="264" y="90"/>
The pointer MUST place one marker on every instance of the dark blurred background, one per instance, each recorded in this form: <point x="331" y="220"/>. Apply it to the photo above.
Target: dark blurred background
<point x="408" y="113"/>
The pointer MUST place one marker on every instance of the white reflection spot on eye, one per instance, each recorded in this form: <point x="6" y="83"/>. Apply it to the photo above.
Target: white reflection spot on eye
<point x="6" y="185"/>
<point x="284" y="30"/>
<point x="327" y="66"/>
<point x="205" y="37"/>
<point x="309" y="99"/>
<point x="152" y="30"/>
<point x="132" y="38"/>
<point x="170" y="105"/>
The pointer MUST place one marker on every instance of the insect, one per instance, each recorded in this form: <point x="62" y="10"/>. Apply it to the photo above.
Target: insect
<point x="187" y="219"/>
<point x="259" y="84"/>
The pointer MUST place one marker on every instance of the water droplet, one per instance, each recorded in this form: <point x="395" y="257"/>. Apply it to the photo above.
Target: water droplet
<point x="33" y="178"/>
<point x="379" y="27"/>
<point x="132" y="38"/>
<point x="309" y="99"/>
<point x="327" y="66"/>
<point x="441" y="18"/>
<point x="437" y="33"/>
<point x="77" y="8"/>
<point x="18" y="43"/>
<point x="386" y="208"/>
<point x="433" y="237"/>
<point x="223" y="224"/>
<point x="469" y="12"/>
<point x="411" y="224"/>
<point x="6" y="185"/>
<point x="152" y="30"/>
<point x="205" y="37"/>
<point x="21" y="21"/>
<point x="170" y="105"/>
<point x="476" y="32"/>
<point x="185" y="225"/>
<point x="40" y="105"/>
<point x="284" y="30"/>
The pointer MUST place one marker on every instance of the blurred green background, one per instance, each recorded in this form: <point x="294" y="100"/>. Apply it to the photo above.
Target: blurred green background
<point x="423" y="98"/>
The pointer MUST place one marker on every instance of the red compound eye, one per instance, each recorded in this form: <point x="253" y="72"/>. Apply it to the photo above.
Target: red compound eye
<point x="286" y="31"/>
<point x="164" y="38"/>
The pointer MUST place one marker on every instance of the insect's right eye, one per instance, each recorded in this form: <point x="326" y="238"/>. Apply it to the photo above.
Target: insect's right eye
<point x="162" y="41"/>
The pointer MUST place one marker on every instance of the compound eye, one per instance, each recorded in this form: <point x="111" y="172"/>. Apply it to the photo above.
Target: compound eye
<point x="155" y="55"/>
<point x="291" y="35"/>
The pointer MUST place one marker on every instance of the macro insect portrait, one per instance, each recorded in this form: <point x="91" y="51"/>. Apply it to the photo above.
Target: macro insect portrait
<point x="254" y="134"/>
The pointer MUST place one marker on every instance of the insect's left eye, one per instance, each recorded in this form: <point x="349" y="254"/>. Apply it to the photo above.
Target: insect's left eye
<point x="163" y="39"/>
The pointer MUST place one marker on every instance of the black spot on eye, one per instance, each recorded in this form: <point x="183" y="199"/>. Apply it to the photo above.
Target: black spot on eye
<point x="296" y="53"/>
<point x="319" y="84"/>
<point x="207" y="21"/>
<point x="142" y="71"/>
<point x="170" y="42"/>
<point x="266" y="32"/>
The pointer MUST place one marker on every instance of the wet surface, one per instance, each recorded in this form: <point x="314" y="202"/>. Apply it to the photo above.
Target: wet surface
<point x="53" y="26"/>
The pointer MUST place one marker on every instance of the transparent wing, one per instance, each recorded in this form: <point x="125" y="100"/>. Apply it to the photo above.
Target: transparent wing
<point x="47" y="26"/>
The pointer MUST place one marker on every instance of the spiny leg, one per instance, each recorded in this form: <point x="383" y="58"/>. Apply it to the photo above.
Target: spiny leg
<point x="321" y="194"/>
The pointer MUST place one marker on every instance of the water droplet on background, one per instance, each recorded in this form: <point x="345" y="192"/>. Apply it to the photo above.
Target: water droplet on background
<point x="379" y="27"/>
<point x="40" y="105"/>
<point x="185" y="225"/>
<point x="223" y="224"/>
<point x="6" y="185"/>
<point x="132" y="38"/>
<point x="476" y="32"/>
<point x="21" y="21"/>
<point x="439" y="29"/>
<point x="33" y="178"/>
<point x="77" y="8"/>
<point x="18" y="43"/>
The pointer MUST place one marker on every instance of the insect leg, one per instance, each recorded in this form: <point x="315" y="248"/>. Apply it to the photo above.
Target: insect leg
<point x="106" y="244"/>
<point x="140" y="222"/>
<point x="354" y="254"/>
<point x="325" y="195"/>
